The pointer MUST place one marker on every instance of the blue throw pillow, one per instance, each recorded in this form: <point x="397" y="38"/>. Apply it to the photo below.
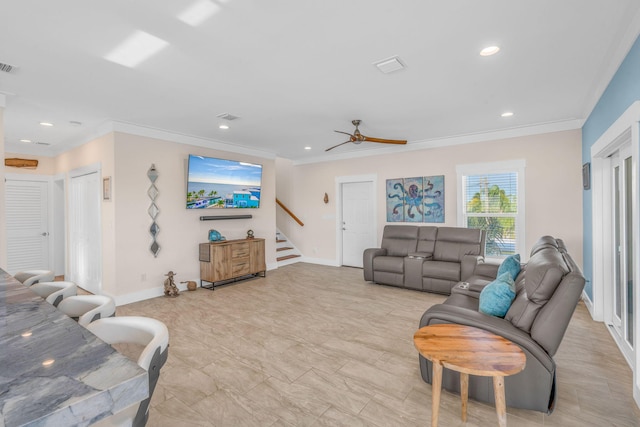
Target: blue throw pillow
<point x="497" y="296"/>
<point x="511" y="265"/>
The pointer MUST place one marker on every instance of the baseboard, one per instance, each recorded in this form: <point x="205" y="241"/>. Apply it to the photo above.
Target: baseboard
<point x="158" y="291"/>
<point x="321" y="261"/>
<point x="588" y="303"/>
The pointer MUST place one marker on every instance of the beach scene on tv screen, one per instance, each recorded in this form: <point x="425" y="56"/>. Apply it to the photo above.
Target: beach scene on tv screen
<point x="220" y="184"/>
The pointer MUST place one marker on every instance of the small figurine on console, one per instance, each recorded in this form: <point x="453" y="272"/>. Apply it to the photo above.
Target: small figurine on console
<point x="170" y="288"/>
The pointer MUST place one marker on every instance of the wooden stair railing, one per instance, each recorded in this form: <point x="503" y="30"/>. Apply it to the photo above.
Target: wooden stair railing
<point x="291" y="214"/>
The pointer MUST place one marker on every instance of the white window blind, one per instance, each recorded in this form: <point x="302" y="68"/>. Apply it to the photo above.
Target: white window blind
<point x="491" y="200"/>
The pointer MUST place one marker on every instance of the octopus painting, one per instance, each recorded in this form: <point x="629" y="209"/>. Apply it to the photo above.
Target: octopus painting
<point x="419" y="199"/>
<point x="407" y="198"/>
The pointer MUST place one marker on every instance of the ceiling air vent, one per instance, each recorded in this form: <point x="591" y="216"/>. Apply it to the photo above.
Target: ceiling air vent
<point x="389" y="65"/>
<point x="227" y="116"/>
<point x="6" y="67"/>
<point x="41" y="143"/>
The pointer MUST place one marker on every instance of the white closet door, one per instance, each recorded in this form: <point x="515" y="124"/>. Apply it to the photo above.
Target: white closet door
<point x="85" y="260"/>
<point x="26" y="204"/>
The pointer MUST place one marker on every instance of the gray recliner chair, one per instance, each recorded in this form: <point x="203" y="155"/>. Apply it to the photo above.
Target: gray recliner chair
<point x="548" y="289"/>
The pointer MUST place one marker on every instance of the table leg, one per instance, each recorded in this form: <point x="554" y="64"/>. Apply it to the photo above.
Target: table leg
<point x="464" y="394"/>
<point x="436" y="388"/>
<point x="501" y="406"/>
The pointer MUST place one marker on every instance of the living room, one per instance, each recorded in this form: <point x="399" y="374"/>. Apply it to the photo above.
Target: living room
<point x="556" y="202"/>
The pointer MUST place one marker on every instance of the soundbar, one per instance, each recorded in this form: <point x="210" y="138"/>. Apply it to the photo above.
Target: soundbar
<point x="214" y="218"/>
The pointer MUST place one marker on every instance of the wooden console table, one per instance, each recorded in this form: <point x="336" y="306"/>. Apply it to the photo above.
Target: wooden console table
<point x="230" y="260"/>
<point x="468" y="350"/>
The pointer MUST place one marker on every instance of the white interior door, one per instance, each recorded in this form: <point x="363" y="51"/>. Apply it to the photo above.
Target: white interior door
<point x="85" y="260"/>
<point x="27" y="208"/>
<point x="358" y="226"/>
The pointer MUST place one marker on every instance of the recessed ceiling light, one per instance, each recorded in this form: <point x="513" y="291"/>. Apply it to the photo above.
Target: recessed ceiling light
<point x="489" y="50"/>
<point x="223" y="126"/>
<point x="26" y="334"/>
<point x="46" y="124"/>
<point x="507" y="114"/>
<point x="307" y="148"/>
<point x="25" y="140"/>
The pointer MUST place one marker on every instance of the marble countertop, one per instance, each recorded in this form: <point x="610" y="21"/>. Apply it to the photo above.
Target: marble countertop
<point x="54" y="372"/>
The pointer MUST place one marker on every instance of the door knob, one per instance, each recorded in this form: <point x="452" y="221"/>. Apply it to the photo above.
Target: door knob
<point x="45" y="234"/>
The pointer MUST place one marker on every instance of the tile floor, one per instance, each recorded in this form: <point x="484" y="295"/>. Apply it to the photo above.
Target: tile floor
<point x="313" y="345"/>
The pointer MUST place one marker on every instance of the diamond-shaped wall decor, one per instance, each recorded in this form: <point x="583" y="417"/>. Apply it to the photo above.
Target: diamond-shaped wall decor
<point x="152" y="192"/>
<point x="153" y="210"/>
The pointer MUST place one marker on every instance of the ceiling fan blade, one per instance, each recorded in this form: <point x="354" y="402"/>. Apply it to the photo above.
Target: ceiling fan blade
<point x="331" y="148"/>
<point x="383" y="141"/>
<point x="339" y="131"/>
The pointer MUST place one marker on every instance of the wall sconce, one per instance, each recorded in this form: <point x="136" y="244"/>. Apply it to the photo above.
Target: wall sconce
<point x="326" y="198"/>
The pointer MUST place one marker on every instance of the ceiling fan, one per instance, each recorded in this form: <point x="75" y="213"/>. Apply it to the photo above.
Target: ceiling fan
<point x="357" y="138"/>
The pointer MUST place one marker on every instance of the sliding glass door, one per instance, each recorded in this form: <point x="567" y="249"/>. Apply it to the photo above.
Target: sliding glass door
<point x="622" y="234"/>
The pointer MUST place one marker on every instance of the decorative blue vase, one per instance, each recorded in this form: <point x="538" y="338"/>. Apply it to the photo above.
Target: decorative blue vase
<point x="215" y="236"/>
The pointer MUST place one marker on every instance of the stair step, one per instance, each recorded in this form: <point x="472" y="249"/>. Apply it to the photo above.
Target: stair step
<point x="282" y="258"/>
<point x="284" y="248"/>
<point x="280" y="240"/>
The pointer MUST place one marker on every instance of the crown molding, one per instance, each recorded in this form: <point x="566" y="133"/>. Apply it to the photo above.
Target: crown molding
<point x="473" y="138"/>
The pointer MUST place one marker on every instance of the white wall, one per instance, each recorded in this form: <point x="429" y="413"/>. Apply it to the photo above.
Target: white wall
<point x="99" y="151"/>
<point x="130" y="272"/>
<point x="137" y="273"/>
<point x="553" y="187"/>
<point x="284" y="186"/>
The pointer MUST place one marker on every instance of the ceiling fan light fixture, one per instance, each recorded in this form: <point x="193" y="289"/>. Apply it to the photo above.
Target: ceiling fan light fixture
<point x="389" y="65"/>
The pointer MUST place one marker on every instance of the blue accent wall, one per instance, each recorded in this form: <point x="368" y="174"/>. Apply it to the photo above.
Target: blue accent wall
<point x="623" y="90"/>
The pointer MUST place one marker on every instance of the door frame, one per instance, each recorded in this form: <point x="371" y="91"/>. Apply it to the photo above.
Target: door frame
<point x="373" y="180"/>
<point x="619" y="326"/>
<point x="60" y="215"/>
<point x="625" y="128"/>
<point x="50" y="214"/>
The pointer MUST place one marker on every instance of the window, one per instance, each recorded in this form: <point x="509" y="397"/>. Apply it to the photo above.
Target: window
<point x="491" y="198"/>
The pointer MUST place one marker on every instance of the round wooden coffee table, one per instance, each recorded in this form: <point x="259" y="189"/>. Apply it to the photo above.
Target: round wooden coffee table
<point x="468" y="350"/>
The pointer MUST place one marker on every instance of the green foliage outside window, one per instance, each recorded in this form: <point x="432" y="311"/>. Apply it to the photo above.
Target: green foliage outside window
<point x="499" y="211"/>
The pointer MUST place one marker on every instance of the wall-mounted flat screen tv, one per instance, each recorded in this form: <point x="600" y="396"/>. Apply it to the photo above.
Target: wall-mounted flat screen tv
<point x="223" y="184"/>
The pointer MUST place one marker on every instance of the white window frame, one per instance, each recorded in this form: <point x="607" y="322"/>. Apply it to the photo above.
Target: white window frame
<point x="508" y="166"/>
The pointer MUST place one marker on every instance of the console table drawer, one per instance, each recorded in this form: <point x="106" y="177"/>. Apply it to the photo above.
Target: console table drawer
<point x="240" y="268"/>
<point x="240" y="250"/>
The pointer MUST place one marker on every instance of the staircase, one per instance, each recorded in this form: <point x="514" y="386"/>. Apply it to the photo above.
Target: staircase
<point x="286" y="252"/>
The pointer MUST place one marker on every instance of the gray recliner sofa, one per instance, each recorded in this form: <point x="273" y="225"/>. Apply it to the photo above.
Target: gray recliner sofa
<point x="425" y="258"/>
<point x="548" y="289"/>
